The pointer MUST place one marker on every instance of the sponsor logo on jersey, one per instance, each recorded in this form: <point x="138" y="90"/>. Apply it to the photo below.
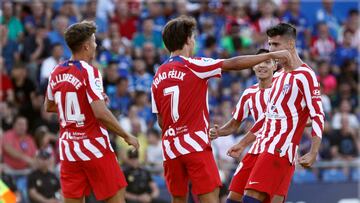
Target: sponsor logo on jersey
<point x="317" y="92"/>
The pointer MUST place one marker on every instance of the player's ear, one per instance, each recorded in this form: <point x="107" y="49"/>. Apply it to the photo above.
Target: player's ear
<point x="86" y="45"/>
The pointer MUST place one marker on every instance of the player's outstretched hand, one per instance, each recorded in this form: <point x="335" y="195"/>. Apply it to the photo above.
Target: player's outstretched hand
<point x="131" y="140"/>
<point x="282" y="55"/>
<point x="307" y="160"/>
<point x="214" y="132"/>
<point x="236" y="150"/>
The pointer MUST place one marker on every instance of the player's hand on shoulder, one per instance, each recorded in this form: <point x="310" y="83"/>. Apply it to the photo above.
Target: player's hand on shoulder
<point x="132" y="140"/>
<point x="236" y="150"/>
<point x="214" y="132"/>
<point x="307" y="160"/>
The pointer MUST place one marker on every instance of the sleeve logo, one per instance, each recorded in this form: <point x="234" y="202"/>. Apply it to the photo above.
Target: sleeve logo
<point x="98" y="84"/>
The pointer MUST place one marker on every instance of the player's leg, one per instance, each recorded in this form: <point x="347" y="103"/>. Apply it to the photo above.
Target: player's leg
<point x="106" y="179"/>
<point x="283" y="188"/>
<point x="253" y="196"/>
<point x="177" y="180"/>
<point x="73" y="182"/>
<point x="74" y="200"/>
<point x="234" y="197"/>
<point x="204" y="175"/>
<point x="178" y="199"/>
<point x="119" y="197"/>
<point x="277" y="199"/>
<point x="240" y="178"/>
<point x="211" y="197"/>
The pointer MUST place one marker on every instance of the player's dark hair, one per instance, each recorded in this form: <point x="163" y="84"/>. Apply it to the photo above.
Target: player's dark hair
<point x="177" y="31"/>
<point x="282" y="29"/>
<point x="78" y="33"/>
<point x="262" y="51"/>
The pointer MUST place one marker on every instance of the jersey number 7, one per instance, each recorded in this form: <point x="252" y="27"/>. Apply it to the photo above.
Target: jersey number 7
<point x="174" y="92"/>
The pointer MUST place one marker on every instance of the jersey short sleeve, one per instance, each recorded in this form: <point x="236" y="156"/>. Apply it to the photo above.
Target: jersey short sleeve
<point x="49" y="92"/>
<point x="204" y="68"/>
<point x="93" y="81"/>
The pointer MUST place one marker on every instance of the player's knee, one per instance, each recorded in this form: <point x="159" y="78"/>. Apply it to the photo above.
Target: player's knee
<point x="119" y="197"/>
<point x="277" y="199"/>
<point x="211" y="197"/>
<point x="178" y="199"/>
<point x="234" y="197"/>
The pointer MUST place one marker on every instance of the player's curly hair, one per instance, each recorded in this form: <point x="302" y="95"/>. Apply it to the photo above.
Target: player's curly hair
<point x="177" y="31"/>
<point x="76" y="34"/>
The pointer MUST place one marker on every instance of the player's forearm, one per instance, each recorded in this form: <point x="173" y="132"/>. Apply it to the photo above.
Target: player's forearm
<point x="248" y="139"/>
<point x="110" y="122"/>
<point x="243" y="62"/>
<point x="229" y="128"/>
<point x="50" y="106"/>
<point x="315" y="145"/>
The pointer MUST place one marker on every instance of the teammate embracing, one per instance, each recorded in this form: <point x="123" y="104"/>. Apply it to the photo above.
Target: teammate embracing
<point x="179" y="98"/>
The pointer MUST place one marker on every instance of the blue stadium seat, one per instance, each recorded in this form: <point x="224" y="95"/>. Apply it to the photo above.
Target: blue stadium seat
<point x="159" y="180"/>
<point x="334" y="176"/>
<point x="355" y="174"/>
<point x="304" y="176"/>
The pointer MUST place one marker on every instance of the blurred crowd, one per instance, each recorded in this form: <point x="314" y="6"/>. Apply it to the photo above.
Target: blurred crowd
<point x="130" y="50"/>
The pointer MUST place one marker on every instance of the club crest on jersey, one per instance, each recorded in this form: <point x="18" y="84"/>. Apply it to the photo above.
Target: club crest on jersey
<point x="286" y="88"/>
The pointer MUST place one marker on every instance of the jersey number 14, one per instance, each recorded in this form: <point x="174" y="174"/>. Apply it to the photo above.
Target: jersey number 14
<point x="72" y="112"/>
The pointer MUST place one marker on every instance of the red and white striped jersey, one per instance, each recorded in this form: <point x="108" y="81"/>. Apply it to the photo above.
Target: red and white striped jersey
<point x="294" y="97"/>
<point x="73" y="85"/>
<point x="253" y="101"/>
<point x="180" y="97"/>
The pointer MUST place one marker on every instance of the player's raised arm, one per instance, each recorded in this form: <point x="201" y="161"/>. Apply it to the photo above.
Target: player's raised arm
<point x="247" y="61"/>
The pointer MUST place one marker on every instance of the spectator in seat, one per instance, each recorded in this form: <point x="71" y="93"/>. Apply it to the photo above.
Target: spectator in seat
<point x="141" y="188"/>
<point x="19" y="153"/>
<point x="43" y="185"/>
<point x="49" y="63"/>
<point x="345" y="141"/>
<point x="322" y="45"/>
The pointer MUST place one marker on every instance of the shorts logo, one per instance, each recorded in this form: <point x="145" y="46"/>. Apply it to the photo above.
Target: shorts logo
<point x="252" y="183"/>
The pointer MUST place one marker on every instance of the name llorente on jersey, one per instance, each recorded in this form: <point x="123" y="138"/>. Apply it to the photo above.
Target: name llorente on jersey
<point x="173" y="74"/>
<point x="66" y="78"/>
